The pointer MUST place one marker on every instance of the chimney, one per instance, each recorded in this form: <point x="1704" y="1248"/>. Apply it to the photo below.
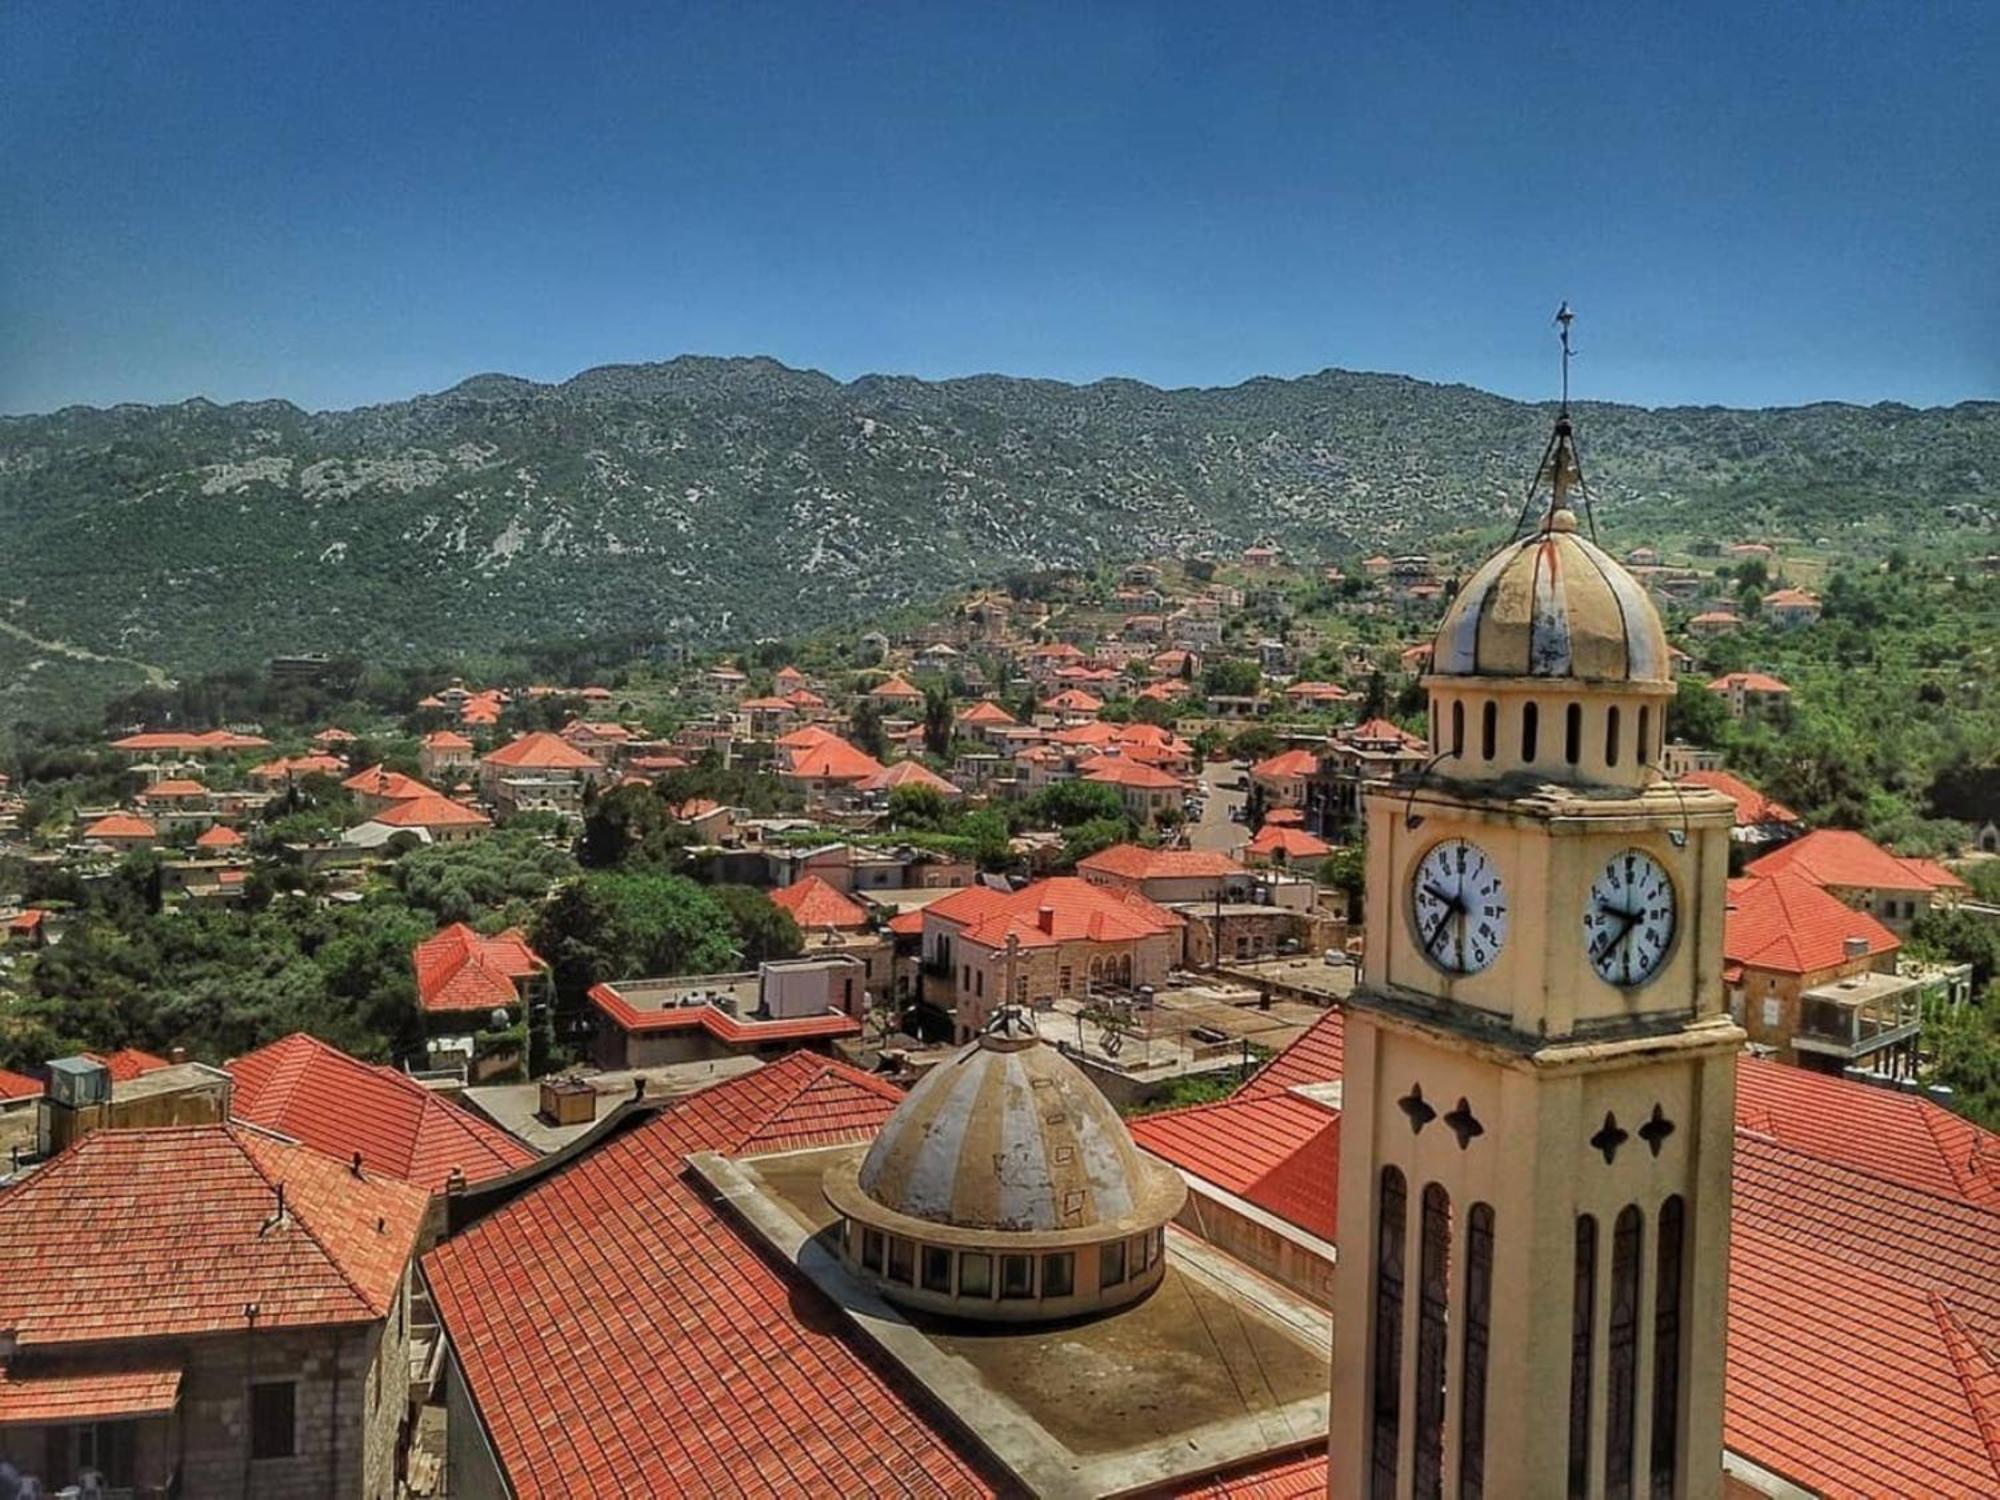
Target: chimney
<point x="1855" y="946"/>
<point x="1045" y="918"/>
<point x="177" y="1055"/>
<point x="355" y="1165"/>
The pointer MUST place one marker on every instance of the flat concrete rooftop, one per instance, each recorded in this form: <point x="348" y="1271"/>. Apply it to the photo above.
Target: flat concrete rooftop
<point x="516" y="1107"/>
<point x="1217" y="1366"/>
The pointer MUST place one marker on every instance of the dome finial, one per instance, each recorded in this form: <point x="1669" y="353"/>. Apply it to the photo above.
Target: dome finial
<point x="1560" y="472"/>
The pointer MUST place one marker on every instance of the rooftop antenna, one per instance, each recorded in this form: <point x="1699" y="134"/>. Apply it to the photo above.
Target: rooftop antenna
<point x="1561" y="470"/>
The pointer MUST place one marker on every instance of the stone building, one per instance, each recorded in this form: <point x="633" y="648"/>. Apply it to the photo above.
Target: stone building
<point x="233" y="1318"/>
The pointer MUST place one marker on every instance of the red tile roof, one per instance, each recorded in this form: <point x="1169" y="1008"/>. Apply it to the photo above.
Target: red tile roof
<point x="446" y="739"/>
<point x="986" y="711"/>
<point x="896" y="688"/>
<point x="1287" y="1476"/>
<point x="1318" y="1056"/>
<point x="171" y="739"/>
<point x="833" y="759"/>
<point x="909" y="773"/>
<point x="804" y="738"/>
<point x="221" y="836"/>
<point x="62" y="1394"/>
<point x="336" y="1104"/>
<point x="1286" y="763"/>
<point x="128" y="1063"/>
<point x="459" y="970"/>
<point x="1119" y="770"/>
<point x="1900" y="1137"/>
<point x="1842" y="857"/>
<point x="815" y="905"/>
<point x="725" y="1028"/>
<point x="1075" y="700"/>
<point x="1137" y="862"/>
<point x="172" y="788"/>
<point x="1752" y="806"/>
<point x="1279" y="1151"/>
<point x="184" y="1233"/>
<point x="1381" y="729"/>
<point x="431" y="811"/>
<point x="19" y="1085"/>
<point x="1076" y="911"/>
<point x="1750" y="682"/>
<point x="541" y="751"/>
<point x="120" y="826"/>
<point x="1293" y="843"/>
<point x="709" y="1369"/>
<point x="380" y="781"/>
<point x="1788" y="925"/>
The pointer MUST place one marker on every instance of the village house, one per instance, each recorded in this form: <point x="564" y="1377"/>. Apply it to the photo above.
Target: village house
<point x="767" y="718"/>
<point x="445" y="756"/>
<point x="829" y="770"/>
<point x="1168" y="876"/>
<point x="1148" y="792"/>
<point x="1790" y="608"/>
<point x="539" y="772"/>
<point x="1865" y="876"/>
<point x="1059" y="937"/>
<point x="1356" y="760"/>
<point x="470" y="983"/>
<point x="1283" y="846"/>
<point x="414" y="821"/>
<point x="122" y="832"/>
<point x="830" y="921"/>
<point x="784" y="1004"/>
<point x="1786" y="937"/>
<point x="378" y="787"/>
<point x="1753" y="695"/>
<point x="237" y="1318"/>
<point x="1280" y="780"/>
<point x="1761" y="821"/>
<point x="1714" y="622"/>
<point x="897" y="696"/>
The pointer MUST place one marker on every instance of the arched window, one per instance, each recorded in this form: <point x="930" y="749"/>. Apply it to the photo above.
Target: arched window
<point x="1436" y="725"/>
<point x="1531" y="726"/>
<point x="1645" y="757"/>
<point x="1458" y="726"/>
<point x="1667" y="1348"/>
<point x="1478" y="1321"/>
<point x="1611" y="736"/>
<point x="1489" y="729"/>
<point x="1622" y="1370"/>
<point x="1388" y="1373"/>
<point x="1573" y="733"/>
<point x="1433" y="1314"/>
<point x="1583" y="1307"/>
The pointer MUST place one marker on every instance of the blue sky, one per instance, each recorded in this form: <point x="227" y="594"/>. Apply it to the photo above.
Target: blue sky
<point x="1748" y="204"/>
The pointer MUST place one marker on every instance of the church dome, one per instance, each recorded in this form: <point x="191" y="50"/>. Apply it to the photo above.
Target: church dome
<point x="1005" y="1163"/>
<point x="1009" y="1135"/>
<point x="1553" y="604"/>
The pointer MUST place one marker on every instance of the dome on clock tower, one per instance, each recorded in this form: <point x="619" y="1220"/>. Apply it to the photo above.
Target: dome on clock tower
<point x="1553" y="604"/>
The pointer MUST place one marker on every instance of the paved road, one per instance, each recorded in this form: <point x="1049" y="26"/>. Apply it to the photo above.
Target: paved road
<point x="1216" y="830"/>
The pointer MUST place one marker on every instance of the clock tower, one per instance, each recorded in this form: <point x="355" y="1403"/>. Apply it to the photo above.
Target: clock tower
<point x="1539" y="1093"/>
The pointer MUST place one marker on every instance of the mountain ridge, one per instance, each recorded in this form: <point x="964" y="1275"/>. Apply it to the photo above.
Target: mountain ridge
<point x="712" y="497"/>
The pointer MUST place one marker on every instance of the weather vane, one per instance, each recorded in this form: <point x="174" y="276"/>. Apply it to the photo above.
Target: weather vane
<point x="1560" y="470"/>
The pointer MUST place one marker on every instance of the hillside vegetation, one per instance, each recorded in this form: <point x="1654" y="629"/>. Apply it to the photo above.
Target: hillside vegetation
<point x="712" y="499"/>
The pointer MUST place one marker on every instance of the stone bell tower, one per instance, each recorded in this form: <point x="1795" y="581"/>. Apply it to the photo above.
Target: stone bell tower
<point x="1540" y="1069"/>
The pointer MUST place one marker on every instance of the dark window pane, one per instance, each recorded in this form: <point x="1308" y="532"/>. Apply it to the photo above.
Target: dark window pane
<point x="1531" y="724"/>
<point x="1478" y="1323"/>
<point x="937" y="1269"/>
<point x="1667" y="1350"/>
<point x="1458" y="727"/>
<point x="1573" y="733"/>
<point x="273" y="1419"/>
<point x="1111" y="1264"/>
<point x="1489" y="729"/>
<point x="1017" y="1276"/>
<point x="1388" y="1373"/>
<point x="1645" y="736"/>
<point x="1611" y="737"/>
<point x="1623" y="1360"/>
<point x="1582" y="1309"/>
<point x="1058" y="1274"/>
<point x="1433" y="1309"/>
<point x="902" y="1260"/>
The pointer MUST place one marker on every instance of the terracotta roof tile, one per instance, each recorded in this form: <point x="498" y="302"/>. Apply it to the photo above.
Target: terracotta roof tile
<point x="814" y="905"/>
<point x="1279" y="1151"/>
<point x="1752" y="806"/>
<point x="908" y="773"/>
<point x="1786" y="923"/>
<point x="65" y="1392"/>
<point x="1137" y="862"/>
<point x="708" y="1370"/>
<point x="1293" y="843"/>
<point x="459" y="970"/>
<point x="1318" y="1056"/>
<point x="541" y="751"/>
<point x="1842" y="857"/>
<point x="128" y="1063"/>
<point x="338" y="1105"/>
<point x="832" y="759"/>
<point x="120" y="826"/>
<point x="431" y="811"/>
<point x="1286" y="763"/>
<point x="183" y="1235"/>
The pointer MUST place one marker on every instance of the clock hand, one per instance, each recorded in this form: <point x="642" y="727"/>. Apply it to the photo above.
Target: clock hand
<point x="1437" y="927"/>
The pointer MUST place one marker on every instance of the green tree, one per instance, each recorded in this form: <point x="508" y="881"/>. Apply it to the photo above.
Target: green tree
<point x="1230" y="677"/>
<point x="764" y="930"/>
<point x="1084" y="839"/>
<point x="938" y="722"/>
<point x="1065" y="804"/>
<point x="1697" y="716"/>
<point x="917" y="806"/>
<point x="865" y="728"/>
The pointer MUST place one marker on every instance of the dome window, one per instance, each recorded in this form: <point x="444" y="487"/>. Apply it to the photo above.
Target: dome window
<point x="1531" y="717"/>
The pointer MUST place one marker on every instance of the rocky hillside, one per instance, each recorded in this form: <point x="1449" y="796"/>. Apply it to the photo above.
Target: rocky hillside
<point x="722" y="497"/>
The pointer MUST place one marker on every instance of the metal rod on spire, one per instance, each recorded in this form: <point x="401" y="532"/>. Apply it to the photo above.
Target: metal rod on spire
<point x="1564" y="317"/>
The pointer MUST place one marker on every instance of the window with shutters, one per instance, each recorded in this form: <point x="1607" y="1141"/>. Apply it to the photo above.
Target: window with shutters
<point x="1622" y="1360"/>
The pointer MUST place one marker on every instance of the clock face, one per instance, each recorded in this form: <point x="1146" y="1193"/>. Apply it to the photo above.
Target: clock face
<point x="1460" y="907"/>
<point x="1628" y="920"/>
